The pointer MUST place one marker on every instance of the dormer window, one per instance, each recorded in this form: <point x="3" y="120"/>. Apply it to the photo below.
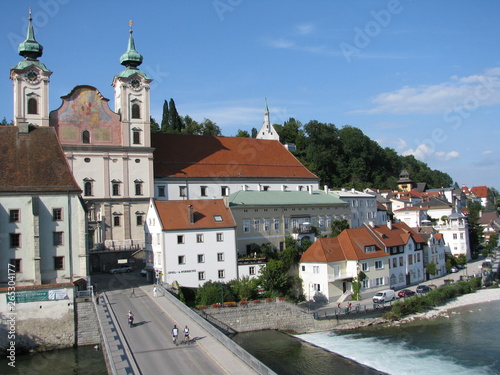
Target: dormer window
<point x="370" y="249"/>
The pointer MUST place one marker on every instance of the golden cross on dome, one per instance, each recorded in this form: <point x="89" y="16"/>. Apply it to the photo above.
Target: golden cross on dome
<point x="130" y="23"/>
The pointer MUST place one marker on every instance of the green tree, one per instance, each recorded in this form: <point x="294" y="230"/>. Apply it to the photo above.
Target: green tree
<point x="254" y="133"/>
<point x="291" y="253"/>
<point x="214" y="292"/>
<point x="338" y="226"/>
<point x="209" y="127"/>
<point x="155" y="128"/>
<point x="165" y="119"/>
<point x="174" y="120"/>
<point x="474" y="227"/>
<point x="190" y="126"/>
<point x="461" y="259"/>
<point x="245" y="288"/>
<point x="431" y="268"/>
<point x="242" y="134"/>
<point x="274" y="278"/>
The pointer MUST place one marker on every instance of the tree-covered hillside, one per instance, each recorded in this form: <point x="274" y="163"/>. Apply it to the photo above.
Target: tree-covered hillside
<point x="348" y="158"/>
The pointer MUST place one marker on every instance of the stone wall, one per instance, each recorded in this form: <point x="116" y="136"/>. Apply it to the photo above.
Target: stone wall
<point x="87" y="324"/>
<point x="285" y="316"/>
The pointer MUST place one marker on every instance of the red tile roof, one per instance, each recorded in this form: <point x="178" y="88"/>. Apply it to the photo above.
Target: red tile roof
<point x="348" y="245"/>
<point x="215" y="157"/>
<point x="398" y="235"/>
<point x="480" y="191"/>
<point x="174" y="215"/>
<point x="33" y="162"/>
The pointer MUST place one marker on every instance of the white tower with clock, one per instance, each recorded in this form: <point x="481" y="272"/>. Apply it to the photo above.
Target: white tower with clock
<point x="30" y="79"/>
<point x="132" y="98"/>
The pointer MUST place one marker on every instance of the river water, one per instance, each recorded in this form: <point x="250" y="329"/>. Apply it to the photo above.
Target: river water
<point x="465" y="343"/>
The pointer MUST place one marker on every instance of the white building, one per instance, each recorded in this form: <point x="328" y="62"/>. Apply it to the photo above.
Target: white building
<point x="412" y="216"/>
<point x="456" y="234"/>
<point x="434" y="251"/>
<point x="363" y="206"/>
<point x="192" y="241"/>
<point x="42" y="217"/>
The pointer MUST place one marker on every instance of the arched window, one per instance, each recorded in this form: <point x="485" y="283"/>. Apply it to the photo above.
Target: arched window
<point x="87" y="190"/>
<point x="86" y="136"/>
<point x="136" y="111"/>
<point x="32" y="106"/>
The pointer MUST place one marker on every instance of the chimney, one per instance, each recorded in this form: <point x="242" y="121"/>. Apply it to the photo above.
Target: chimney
<point x="326" y="189"/>
<point x="23" y="127"/>
<point x="389" y="224"/>
<point x="190" y="214"/>
<point x="353" y="190"/>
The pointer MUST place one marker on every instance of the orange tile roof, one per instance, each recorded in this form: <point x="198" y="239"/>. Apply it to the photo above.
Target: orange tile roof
<point x="215" y="157"/>
<point x="348" y="245"/>
<point x="480" y="191"/>
<point x="33" y="162"/>
<point x="174" y="215"/>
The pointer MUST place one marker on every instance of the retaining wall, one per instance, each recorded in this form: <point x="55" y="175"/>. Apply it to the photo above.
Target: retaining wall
<point x="87" y="324"/>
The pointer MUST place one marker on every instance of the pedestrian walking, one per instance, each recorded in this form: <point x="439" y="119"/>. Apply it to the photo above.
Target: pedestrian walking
<point x="155" y="291"/>
<point x="186" y="335"/>
<point x="175" y="333"/>
<point x="132" y="294"/>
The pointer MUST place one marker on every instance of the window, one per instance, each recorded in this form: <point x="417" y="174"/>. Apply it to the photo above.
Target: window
<point x="201" y="258"/>
<point x="401" y="261"/>
<point x="410" y="259"/>
<point x="369" y="249"/>
<point x="220" y="257"/>
<point x="87" y="190"/>
<point x="136" y="111"/>
<point x="418" y="257"/>
<point x="287" y="223"/>
<point x="455" y="236"/>
<point x="220" y="237"/>
<point x="251" y="270"/>
<point x="267" y="225"/>
<point x="57" y="214"/>
<point x="199" y="238"/>
<point x="157" y="238"/>
<point x="116" y="189"/>
<point x="32" y="106"/>
<point x="182" y="191"/>
<point x="379" y="265"/>
<point x="265" y="188"/>
<point x="394" y="262"/>
<point x="181" y="259"/>
<point x="116" y="221"/>
<point x="17" y="264"/>
<point x="58" y="263"/>
<point x="136" y="137"/>
<point x="276" y="224"/>
<point x="58" y="238"/>
<point x="364" y="267"/>
<point x="138" y="188"/>
<point x="139" y="220"/>
<point x="15" y="239"/>
<point x="379" y="281"/>
<point x="203" y="191"/>
<point x="224" y="191"/>
<point x="218" y="218"/>
<point x="256" y="225"/>
<point x="222" y="274"/>
<point x="14" y="216"/>
<point x="161" y="191"/>
<point x="303" y="268"/>
<point x="461" y="236"/>
<point x="315" y="269"/>
<point x="316" y="287"/>
<point x="201" y="275"/>
<point x="85" y="136"/>
<point x="393" y="279"/>
<point x="246" y="226"/>
<point x="180" y="239"/>
<point x="365" y="284"/>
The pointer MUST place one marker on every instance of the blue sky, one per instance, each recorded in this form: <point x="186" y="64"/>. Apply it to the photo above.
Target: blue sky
<point x="422" y="77"/>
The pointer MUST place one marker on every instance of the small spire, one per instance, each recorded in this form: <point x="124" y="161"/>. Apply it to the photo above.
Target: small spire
<point x="30" y="48"/>
<point x="131" y="58"/>
<point x="267" y="108"/>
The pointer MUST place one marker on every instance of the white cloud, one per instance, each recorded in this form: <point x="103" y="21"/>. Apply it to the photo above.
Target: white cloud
<point x="469" y="92"/>
<point x="424" y="153"/>
<point x="305" y="29"/>
<point x="487" y="152"/>
<point x="443" y="156"/>
<point x="281" y="43"/>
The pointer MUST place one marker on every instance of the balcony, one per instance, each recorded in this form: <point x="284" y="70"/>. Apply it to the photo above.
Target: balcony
<point x="341" y="276"/>
<point x="304" y="228"/>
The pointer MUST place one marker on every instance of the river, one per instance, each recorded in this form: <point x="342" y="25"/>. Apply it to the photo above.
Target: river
<point x="467" y="342"/>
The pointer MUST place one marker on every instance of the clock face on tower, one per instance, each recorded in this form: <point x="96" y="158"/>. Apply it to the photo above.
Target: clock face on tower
<point x="32" y="76"/>
<point x="135" y="84"/>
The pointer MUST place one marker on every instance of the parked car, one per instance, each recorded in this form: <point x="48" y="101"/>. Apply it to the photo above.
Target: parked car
<point x="453" y="269"/>
<point x="384" y="296"/>
<point x="405" y="293"/>
<point x="422" y="289"/>
<point x="120" y="269"/>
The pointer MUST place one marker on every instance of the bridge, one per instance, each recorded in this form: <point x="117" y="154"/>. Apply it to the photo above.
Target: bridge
<point x="147" y="347"/>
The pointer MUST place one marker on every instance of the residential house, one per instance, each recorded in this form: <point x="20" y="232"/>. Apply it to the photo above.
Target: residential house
<point x="434" y="251"/>
<point x="329" y="266"/>
<point x="412" y="216"/>
<point x="363" y="205"/>
<point x="192" y="241"/>
<point x="456" y="234"/>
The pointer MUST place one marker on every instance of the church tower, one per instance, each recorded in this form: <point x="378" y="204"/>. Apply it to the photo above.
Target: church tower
<point x="132" y="98"/>
<point x="267" y="130"/>
<point x="30" y="79"/>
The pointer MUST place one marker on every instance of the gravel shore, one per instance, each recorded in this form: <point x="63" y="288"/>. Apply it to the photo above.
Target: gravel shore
<point x="479" y="297"/>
